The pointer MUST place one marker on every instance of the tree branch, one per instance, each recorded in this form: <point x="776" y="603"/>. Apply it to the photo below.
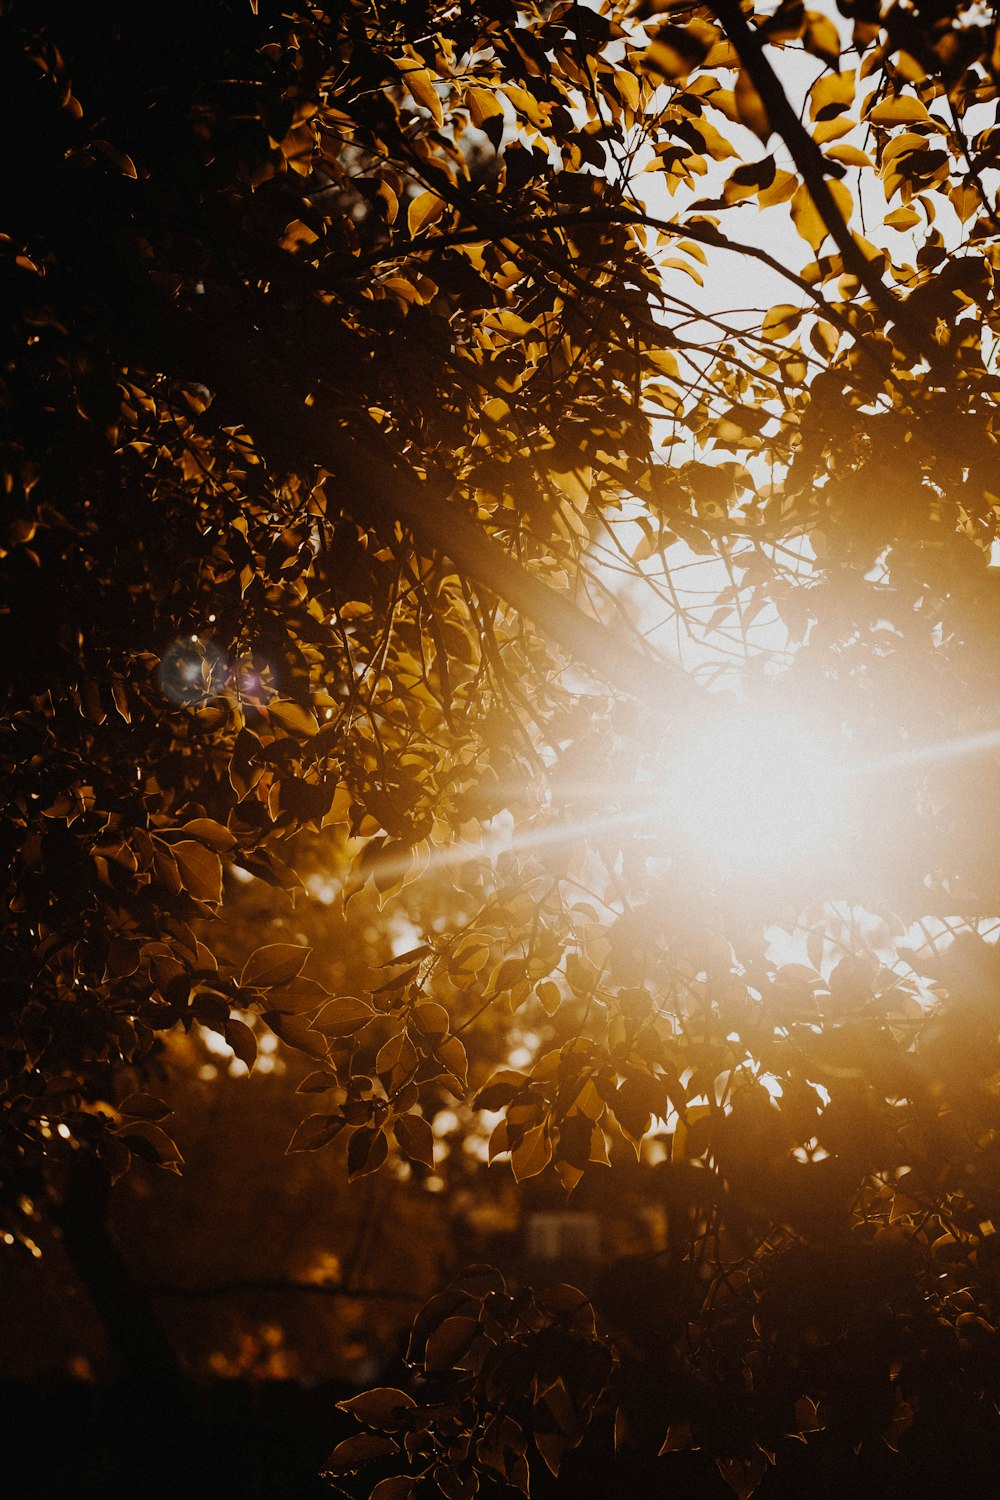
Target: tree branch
<point x="811" y="163"/>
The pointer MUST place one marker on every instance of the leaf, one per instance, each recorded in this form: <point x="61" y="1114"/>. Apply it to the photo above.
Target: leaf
<point x="423" y="210"/>
<point x="273" y="965"/>
<point x="449" y="1342"/>
<point x="738" y="421"/>
<point x="841" y="195"/>
<point x="151" y="1144"/>
<point x="627" y="85"/>
<point x="831" y="94"/>
<point x="297" y="234"/>
<point x="679" y="1439"/>
<point x="293" y="718"/>
<point x="675" y="52"/>
<point x="200" y="871"/>
<point x="499" y="1090"/>
<point x="781" y="321"/>
<point x="631" y="1108"/>
<point x="902" y="110"/>
<point x="313" y="1132"/>
<point x="453" y="1054"/>
<point x="390" y="200"/>
<point x="242" y="1040"/>
<point x="360" y="1449"/>
<point x="430" y="1018"/>
<point x="415" y="1139"/>
<point x="119" y="694"/>
<point x="398" y="1053"/>
<point x="421" y="85"/>
<point x="742" y="1475"/>
<point x="820" y="37"/>
<point x="750" y="106"/>
<point x="125" y="164"/>
<point x="318" y="1082"/>
<point x="576" y="483"/>
<point x="549" y="996"/>
<point x="144" y="1107"/>
<point x="367" y="1151"/>
<point x="553" y="1447"/>
<point x="806" y="218"/>
<point x="532" y="1154"/>
<point x="342" y="1016"/>
<point x="395" y="1487"/>
<point x="850" y="156"/>
<point x="482" y="106"/>
<point x="965" y="199"/>
<point x="208" y="831"/>
<point x="379" y="1407"/>
<point x="902" y="218"/>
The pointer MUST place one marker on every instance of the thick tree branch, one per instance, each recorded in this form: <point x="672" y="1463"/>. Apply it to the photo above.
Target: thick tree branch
<point x="811" y="163"/>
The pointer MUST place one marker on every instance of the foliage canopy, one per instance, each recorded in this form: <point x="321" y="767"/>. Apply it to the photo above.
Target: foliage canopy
<point x="369" y="383"/>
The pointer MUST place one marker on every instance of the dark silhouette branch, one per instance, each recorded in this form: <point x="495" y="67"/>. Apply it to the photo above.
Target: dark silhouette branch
<point x="812" y="165"/>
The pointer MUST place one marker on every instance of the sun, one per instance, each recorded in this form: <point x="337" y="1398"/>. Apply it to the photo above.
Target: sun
<point x="753" y="790"/>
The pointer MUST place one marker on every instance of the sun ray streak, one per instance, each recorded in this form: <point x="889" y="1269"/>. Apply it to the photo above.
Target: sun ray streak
<point x="744" y="790"/>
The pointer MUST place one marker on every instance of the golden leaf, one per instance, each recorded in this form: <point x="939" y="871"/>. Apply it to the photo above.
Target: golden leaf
<point x="423" y="210"/>
<point x="750" y="106"/>
<point x="806" y="218"/>
<point x="902" y="110"/>
<point x="831" y="94"/>
<point x="421" y="85"/>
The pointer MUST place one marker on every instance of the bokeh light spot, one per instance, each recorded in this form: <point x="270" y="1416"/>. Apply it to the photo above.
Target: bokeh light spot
<point x="192" y="671"/>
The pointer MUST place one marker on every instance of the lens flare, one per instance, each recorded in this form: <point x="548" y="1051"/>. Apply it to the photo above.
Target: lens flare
<point x="253" y="680"/>
<point x="192" y="671"/>
<point x="753" y="790"/>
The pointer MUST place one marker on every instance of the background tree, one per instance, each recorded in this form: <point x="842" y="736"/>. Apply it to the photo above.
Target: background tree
<point x="354" y="420"/>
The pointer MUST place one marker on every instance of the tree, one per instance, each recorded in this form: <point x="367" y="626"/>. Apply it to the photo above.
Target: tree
<point x="355" y="422"/>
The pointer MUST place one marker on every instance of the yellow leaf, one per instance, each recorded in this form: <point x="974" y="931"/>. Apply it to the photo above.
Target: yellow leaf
<point x="831" y="94"/>
<point x="628" y="87"/>
<point x="664" y="361"/>
<point x="821" y="36"/>
<point x="750" y="106"/>
<point x="297" y="234"/>
<point x="482" y="106"/>
<point x="851" y="156"/>
<point x="390" y="200"/>
<point x="599" y="1148"/>
<point x="902" y="218"/>
<point x="674" y="263"/>
<point x="908" y="143"/>
<point x="781" y="320"/>
<point x="575" y="485"/>
<point x="832" y="130"/>
<point x="779" y="191"/>
<point x="526" y="104"/>
<point x="806" y="218"/>
<point x="902" y="110"/>
<point x="421" y="85"/>
<point x="965" y="201"/>
<point x="292" y="717"/>
<point x="423" y="210"/>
